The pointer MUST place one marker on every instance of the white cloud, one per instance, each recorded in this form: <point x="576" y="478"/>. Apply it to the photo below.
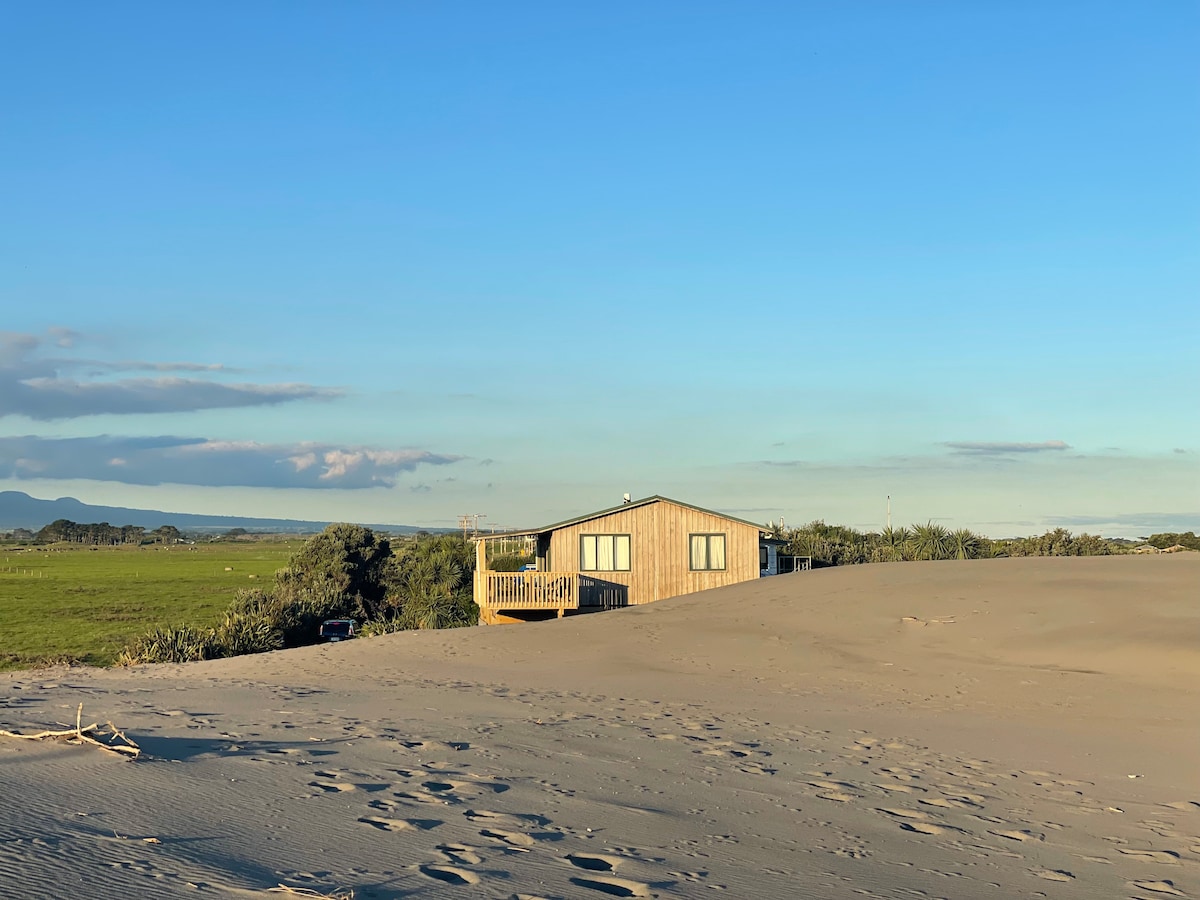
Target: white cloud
<point x="48" y="388"/>
<point x="198" y="461"/>
<point x="1000" y="447"/>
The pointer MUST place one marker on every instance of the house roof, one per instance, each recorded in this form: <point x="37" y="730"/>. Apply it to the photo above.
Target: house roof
<point x="632" y="504"/>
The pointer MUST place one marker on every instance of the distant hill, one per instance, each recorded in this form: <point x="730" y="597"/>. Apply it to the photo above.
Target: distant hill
<point x="19" y="510"/>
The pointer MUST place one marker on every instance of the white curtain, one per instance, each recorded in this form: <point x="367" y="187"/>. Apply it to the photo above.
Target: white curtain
<point x="604" y="553"/>
<point x="716" y="551"/>
<point x="604" y="556"/>
<point x="621" y="552"/>
<point x="707" y="552"/>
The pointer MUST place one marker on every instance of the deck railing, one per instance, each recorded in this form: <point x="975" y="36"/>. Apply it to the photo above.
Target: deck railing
<point x="532" y="590"/>
<point x="549" y="590"/>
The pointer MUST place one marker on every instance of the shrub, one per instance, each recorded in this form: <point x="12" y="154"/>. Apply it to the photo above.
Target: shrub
<point x="172" y="645"/>
<point x="376" y="627"/>
<point x="243" y="633"/>
<point x="510" y="563"/>
<point x="339" y="572"/>
<point x="439" y="610"/>
<point x="429" y="585"/>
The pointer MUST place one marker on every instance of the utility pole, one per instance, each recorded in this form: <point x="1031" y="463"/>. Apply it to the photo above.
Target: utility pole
<point x="889" y="496"/>
<point x="470" y="523"/>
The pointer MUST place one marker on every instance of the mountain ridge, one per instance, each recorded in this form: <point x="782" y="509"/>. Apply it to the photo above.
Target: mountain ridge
<point x="19" y="510"/>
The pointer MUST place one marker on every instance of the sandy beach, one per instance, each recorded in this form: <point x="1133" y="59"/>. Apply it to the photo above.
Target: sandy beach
<point x="999" y="728"/>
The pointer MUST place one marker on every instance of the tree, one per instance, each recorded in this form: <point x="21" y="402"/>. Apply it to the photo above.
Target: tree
<point x="1170" y="539"/>
<point x="930" y="541"/>
<point x="166" y="534"/>
<point x="895" y="542"/>
<point x="430" y="584"/>
<point x="965" y="544"/>
<point x="339" y="572"/>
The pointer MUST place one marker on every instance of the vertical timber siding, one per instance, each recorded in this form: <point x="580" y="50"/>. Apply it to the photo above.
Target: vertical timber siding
<point x="658" y="552"/>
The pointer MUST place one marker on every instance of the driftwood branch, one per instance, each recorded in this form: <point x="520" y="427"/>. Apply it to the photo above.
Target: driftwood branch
<point x="309" y="892"/>
<point x="113" y="740"/>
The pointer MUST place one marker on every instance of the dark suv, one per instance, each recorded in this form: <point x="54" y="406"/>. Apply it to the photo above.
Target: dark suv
<point x="334" y="630"/>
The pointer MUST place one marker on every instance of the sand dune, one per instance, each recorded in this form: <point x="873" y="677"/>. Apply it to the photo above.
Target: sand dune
<point x="1008" y="728"/>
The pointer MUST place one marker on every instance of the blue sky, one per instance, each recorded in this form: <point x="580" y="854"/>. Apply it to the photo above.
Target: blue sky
<point x="399" y="262"/>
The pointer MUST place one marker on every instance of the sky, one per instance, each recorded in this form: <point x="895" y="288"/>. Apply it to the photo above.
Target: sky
<point x="401" y="262"/>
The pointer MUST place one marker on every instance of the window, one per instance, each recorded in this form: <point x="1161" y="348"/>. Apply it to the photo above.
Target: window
<point x="604" y="553"/>
<point x="707" y="552"/>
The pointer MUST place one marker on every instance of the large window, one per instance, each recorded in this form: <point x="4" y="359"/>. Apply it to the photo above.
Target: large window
<point x="706" y="552"/>
<point x="604" y="553"/>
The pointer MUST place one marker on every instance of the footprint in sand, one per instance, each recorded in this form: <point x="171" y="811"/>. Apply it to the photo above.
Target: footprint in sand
<point x="514" y="838"/>
<point x="465" y="787"/>
<point x="614" y="887"/>
<point x="1019" y="835"/>
<point x="833" y="790"/>
<point x="1158" y="887"/>
<point x="449" y="874"/>
<point x="499" y="818"/>
<point x="836" y="796"/>
<point x="926" y="828"/>
<point x="385" y="824"/>
<point x="900" y="774"/>
<point x="332" y="787"/>
<point x="902" y="813"/>
<point x="1053" y="874"/>
<point x="593" y="862"/>
<point x="460" y="854"/>
<point x="1159" y="856"/>
<point x="895" y="788"/>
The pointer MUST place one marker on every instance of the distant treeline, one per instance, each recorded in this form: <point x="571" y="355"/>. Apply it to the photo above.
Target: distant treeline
<point x="101" y="533"/>
<point x="838" y="545"/>
<point x="1174" y="539"/>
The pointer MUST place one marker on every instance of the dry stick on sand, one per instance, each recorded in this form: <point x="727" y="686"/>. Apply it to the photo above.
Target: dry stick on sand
<point x="309" y="892"/>
<point x="89" y="735"/>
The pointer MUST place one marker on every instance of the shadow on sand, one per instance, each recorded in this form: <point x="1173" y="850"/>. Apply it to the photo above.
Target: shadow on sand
<point x="181" y="749"/>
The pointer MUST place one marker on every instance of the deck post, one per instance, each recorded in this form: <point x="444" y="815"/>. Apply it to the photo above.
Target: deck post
<point x="480" y="574"/>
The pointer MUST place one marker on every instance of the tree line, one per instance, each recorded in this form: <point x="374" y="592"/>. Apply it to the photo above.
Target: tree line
<point x="839" y="545"/>
<point x="1173" y="539"/>
<point x="103" y="534"/>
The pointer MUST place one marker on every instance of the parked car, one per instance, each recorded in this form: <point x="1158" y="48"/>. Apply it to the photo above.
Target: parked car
<point x="334" y="630"/>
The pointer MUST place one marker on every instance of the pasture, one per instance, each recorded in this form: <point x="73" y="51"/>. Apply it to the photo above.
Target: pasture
<point x="81" y="604"/>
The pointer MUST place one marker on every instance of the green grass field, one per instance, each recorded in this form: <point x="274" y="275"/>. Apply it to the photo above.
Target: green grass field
<point x="80" y="604"/>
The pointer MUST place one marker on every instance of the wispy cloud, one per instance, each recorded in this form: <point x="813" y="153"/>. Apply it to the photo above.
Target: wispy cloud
<point x="1004" y="447"/>
<point x="876" y="464"/>
<point x="210" y="463"/>
<point x="46" y="388"/>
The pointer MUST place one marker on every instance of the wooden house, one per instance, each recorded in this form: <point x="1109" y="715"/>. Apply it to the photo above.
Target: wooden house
<point x="638" y="552"/>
